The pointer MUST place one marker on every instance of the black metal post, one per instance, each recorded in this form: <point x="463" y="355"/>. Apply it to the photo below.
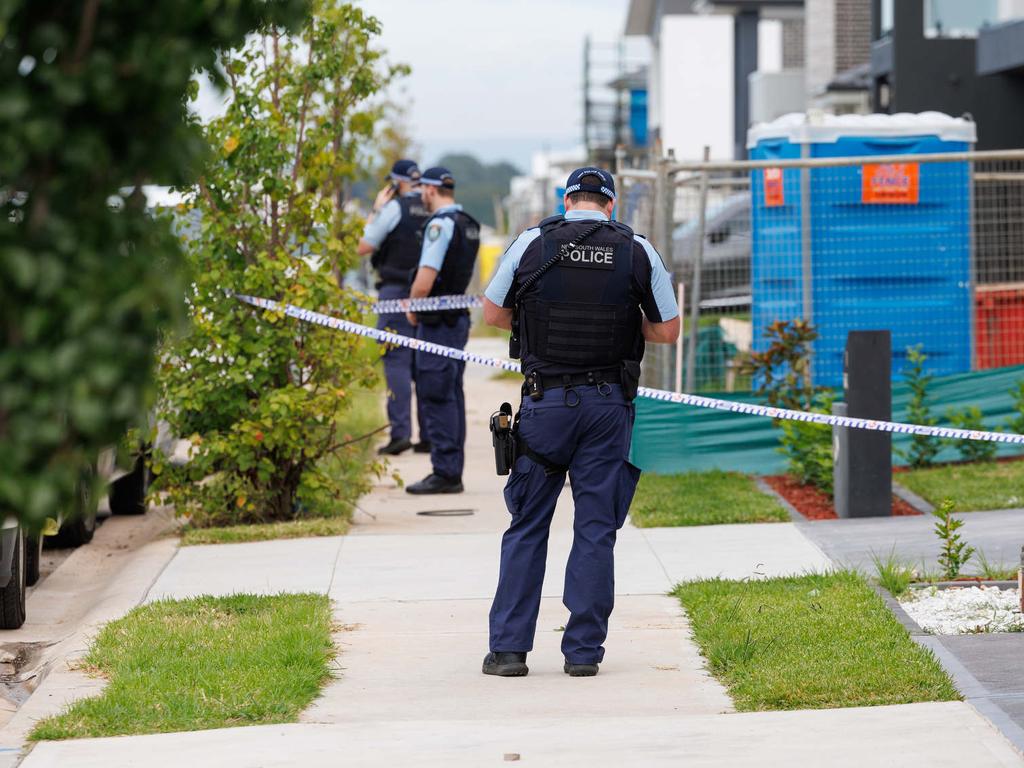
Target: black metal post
<point x="863" y="459"/>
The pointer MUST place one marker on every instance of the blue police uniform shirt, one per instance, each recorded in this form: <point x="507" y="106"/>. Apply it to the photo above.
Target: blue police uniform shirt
<point x="437" y="237"/>
<point x="385" y="221"/>
<point x="658" y="304"/>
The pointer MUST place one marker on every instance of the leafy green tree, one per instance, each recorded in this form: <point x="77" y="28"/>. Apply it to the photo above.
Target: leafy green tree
<point x="91" y="108"/>
<point x="259" y="394"/>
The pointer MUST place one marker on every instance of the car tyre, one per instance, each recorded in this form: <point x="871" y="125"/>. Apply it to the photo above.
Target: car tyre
<point x="33" y="557"/>
<point x="128" y="493"/>
<point x="79" y="528"/>
<point x="12" y="597"/>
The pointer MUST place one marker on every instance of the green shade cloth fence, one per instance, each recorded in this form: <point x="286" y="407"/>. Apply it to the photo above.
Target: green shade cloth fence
<point x="670" y="438"/>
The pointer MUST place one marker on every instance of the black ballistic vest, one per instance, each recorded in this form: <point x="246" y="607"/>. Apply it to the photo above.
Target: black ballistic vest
<point x="399" y="254"/>
<point x="583" y="314"/>
<point x="459" y="261"/>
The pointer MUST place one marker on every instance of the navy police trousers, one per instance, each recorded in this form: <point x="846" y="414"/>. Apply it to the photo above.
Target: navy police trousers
<point x="440" y="396"/>
<point x="592" y="439"/>
<point x="398" y="369"/>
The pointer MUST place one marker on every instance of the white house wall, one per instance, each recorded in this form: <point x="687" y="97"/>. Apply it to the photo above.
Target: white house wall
<point x="695" y="85"/>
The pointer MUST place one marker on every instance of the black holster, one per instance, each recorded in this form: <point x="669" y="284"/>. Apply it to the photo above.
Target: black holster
<point x="504" y="439"/>
<point x="630" y="379"/>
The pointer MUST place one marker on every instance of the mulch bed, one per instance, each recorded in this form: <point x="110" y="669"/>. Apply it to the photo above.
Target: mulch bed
<point x="815" y="505"/>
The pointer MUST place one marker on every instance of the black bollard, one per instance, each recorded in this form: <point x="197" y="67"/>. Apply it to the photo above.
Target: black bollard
<point x="862" y="470"/>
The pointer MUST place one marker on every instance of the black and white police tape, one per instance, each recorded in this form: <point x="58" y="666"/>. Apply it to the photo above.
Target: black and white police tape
<point x="750" y="409"/>
<point x="438" y="303"/>
<point x="428" y="304"/>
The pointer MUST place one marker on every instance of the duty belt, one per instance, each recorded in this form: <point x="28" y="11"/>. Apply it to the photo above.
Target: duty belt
<point x="589" y="378"/>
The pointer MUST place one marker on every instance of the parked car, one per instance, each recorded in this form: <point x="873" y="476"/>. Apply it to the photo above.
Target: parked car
<point x="725" y="264"/>
<point x="21" y="551"/>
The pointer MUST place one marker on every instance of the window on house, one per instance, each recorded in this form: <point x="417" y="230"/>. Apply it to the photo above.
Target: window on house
<point x="956" y="18"/>
<point x="886" y="20"/>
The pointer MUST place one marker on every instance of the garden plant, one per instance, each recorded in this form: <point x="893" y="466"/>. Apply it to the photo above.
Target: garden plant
<point x="260" y="396"/>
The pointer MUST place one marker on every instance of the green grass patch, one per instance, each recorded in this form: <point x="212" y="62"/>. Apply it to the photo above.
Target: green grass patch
<point x="702" y="498"/>
<point x="972" y="487"/>
<point x="208" y="662"/>
<point x="809" y="642"/>
<point x="291" y="529"/>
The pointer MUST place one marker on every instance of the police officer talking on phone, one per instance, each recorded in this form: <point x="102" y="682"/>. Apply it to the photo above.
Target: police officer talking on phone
<point x="451" y="240"/>
<point x="394" y="235"/>
<point x="581" y="294"/>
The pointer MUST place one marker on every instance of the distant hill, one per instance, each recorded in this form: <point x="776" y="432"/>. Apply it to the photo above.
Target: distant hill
<point x="478" y="184"/>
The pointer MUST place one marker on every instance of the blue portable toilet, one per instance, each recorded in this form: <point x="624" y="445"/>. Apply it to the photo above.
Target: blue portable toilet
<point x="869" y="246"/>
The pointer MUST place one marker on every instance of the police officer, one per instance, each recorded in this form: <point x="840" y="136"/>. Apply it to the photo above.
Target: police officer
<point x="451" y="240"/>
<point x="584" y="294"/>
<point x="394" y="235"/>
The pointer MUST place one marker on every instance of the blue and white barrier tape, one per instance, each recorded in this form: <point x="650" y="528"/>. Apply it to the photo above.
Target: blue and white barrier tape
<point x="428" y="304"/>
<point x="697" y="401"/>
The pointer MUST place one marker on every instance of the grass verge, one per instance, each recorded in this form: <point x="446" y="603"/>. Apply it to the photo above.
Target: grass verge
<point x="973" y="487"/>
<point x="291" y="529"/>
<point x="702" y="498"/>
<point x="818" y="641"/>
<point x="203" y="663"/>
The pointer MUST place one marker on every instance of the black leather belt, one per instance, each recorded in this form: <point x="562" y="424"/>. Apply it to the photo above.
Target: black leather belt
<point x="589" y="378"/>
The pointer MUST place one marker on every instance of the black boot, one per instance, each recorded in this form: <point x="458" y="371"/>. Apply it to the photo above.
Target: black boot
<point x="395" y="447"/>
<point x="580" y="670"/>
<point x="423" y="446"/>
<point x="505" y="664"/>
<point x="435" y="484"/>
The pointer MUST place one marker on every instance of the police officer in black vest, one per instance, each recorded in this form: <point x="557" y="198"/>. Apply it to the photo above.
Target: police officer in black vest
<point x="451" y="240"/>
<point x="394" y="235"/>
<point x="581" y="294"/>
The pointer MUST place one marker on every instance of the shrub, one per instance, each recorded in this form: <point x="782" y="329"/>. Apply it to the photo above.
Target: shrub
<point x="971" y="450"/>
<point x="955" y="551"/>
<point x="808" y="448"/>
<point x="91" y="109"/>
<point x="783" y="373"/>
<point x="923" y="448"/>
<point x="783" y="370"/>
<point x="260" y="394"/>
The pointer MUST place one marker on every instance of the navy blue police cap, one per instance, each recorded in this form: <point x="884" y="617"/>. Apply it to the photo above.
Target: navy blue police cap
<point x="405" y="170"/>
<point x="575" y="182"/>
<point x="438" y="177"/>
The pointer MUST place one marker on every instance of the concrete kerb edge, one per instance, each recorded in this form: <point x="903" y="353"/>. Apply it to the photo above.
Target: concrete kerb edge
<point x="973" y="690"/>
<point x="74" y="645"/>
<point x="921" y="505"/>
<point x="766" y="489"/>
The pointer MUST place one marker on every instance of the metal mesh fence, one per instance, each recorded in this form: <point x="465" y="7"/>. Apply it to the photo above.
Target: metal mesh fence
<point x="929" y="248"/>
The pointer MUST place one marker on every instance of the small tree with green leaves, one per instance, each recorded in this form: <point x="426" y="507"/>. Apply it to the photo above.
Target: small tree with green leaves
<point x="783" y="370"/>
<point x="955" y="551"/>
<point x="259" y="394"/>
<point x="783" y="375"/>
<point x="923" y="448"/>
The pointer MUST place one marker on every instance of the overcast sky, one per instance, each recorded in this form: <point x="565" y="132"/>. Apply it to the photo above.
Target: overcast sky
<point x="498" y="78"/>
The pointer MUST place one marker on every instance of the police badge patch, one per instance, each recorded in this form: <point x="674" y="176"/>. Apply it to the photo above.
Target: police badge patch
<point x="433" y="232"/>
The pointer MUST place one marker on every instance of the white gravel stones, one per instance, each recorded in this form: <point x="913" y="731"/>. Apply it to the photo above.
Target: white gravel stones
<point x="965" y="610"/>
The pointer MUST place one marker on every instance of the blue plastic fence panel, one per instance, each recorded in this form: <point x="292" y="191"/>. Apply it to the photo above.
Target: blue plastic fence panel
<point x="902" y="267"/>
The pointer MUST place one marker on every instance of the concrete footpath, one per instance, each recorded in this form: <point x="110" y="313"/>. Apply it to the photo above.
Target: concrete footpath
<point x="411" y="594"/>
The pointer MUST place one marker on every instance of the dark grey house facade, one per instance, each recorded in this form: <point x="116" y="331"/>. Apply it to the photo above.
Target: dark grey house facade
<point x="957" y="59"/>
